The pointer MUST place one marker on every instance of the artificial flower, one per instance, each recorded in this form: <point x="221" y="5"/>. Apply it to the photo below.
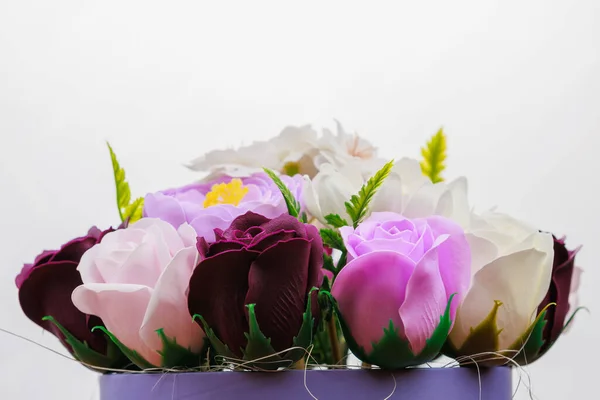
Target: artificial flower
<point x="395" y="294"/>
<point x="135" y="280"/>
<point x="511" y="268"/>
<point x="206" y="206"/>
<point x="561" y="298"/>
<point x="262" y="268"/>
<point x="296" y="150"/>
<point x="405" y="191"/>
<point x="45" y="289"/>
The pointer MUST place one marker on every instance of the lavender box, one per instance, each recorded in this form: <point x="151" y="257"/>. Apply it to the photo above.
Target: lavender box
<point x="412" y="384"/>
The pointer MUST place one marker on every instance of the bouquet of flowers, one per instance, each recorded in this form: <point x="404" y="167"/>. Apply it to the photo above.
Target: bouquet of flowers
<point x="294" y="252"/>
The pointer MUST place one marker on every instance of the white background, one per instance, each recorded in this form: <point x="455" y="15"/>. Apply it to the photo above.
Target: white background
<point x="514" y="83"/>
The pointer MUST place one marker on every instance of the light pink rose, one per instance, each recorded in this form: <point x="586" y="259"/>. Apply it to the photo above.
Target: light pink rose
<point x="135" y="280"/>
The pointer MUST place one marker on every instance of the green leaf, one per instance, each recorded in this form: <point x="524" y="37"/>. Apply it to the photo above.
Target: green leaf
<point x="82" y="352"/>
<point x="305" y="336"/>
<point x="133" y="212"/>
<point x="292" y="204"/>
<point x="328" y="262"/>
<point x="531" y="342"/>
<point x="176" y="356"/>
<point x="336" y="221"/>
<point x="133" y="355"/>
<point x="358" y="205"/>
<point x="332" y="238"/>
<point x="259" y="346"/>
<point x="127" y="211"/>
<point x="434" y="155"/>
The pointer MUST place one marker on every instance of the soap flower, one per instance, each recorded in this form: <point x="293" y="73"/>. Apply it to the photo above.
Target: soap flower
<point x="296" y="150"/>
<point x="405" y="191"/>
<point x="135" y="280"/>
<point x="45" y="288"/>
<point x="214" y="205"/>
<point x="397" y="297"/>
<point x="255" y="279"/>
<point x="512" y="270"/>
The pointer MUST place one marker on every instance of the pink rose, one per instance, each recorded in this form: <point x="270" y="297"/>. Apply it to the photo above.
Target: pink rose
<point x="135" y="280"/>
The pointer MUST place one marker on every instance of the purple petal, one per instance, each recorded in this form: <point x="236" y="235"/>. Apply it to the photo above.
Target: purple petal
<point x="246" y="221"/>
<point x="167" y="208"/>
<point x="267" y="239"/>
<point x="277" y="285"/>
<point x="369" y="290"/>
<point x="425" y="302"/>
<point x="218" y="290"/>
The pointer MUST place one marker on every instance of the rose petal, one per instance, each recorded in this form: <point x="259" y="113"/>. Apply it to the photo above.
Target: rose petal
<point x="218" y="290"/>
<point x="122" y="308"/>
<point x="520" y="281"/>
<point x="369" y="290"/>
<point x="277" y="282"/>
<point x="168" y="309"/>
<point x="47" y="292"/>
<point x="245" y="221"/>
<point x="426" y="300"/>
<point x="454" y="256"/>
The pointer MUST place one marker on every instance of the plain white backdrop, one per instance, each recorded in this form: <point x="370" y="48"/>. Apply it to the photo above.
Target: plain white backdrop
<point x="515" y="85"/>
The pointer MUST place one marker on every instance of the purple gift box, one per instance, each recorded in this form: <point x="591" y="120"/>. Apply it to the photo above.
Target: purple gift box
<point x="411" y="384"/>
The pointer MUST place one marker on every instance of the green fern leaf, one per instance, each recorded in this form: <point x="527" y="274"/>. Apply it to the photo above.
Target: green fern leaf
<point x="335" y="220"/>
<point x="358" y="205"/>
<point x="127" y="210"/>
<point x="434" y="155"/>
<point x="292" y="204"/>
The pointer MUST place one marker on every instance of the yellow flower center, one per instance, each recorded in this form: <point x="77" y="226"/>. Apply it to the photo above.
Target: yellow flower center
<point x="226" y="193"/>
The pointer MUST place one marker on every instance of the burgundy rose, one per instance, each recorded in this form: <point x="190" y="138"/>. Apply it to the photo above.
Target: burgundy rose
<point x="272" y="263"/>
<point x="564" y="281"/>
<point x="45" y="289"/>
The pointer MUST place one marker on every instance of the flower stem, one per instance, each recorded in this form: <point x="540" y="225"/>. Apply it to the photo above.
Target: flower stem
<point x="333" y="340"/>
<point x="300" y="364"/>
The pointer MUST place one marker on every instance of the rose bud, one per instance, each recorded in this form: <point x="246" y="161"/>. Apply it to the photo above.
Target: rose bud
<point x="252" y="287"/>
<point x="398" y="294"/>
<point x="45" y="289"/>
<point x="512" y="267"/>
<point x="135" y="280"/>
<point x="206" y="206"/>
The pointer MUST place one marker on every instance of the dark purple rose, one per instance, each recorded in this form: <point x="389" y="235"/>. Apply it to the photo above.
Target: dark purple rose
<point x="564" y="282"/>
<point x="273" y="263"/>
<point x="45" y="289"/>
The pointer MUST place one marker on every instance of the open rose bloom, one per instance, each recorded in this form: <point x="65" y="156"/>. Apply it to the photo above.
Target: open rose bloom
<point x="330" y="250"/>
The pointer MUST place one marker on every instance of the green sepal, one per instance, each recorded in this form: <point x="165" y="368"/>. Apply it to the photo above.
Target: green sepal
<point x="530" y="343"/>
<point x="394" y="352"/>
<point x="133" y="355"/>
<point x="259" y="346"/>
<point x="221" y="348"/>
<point x="482" y="338"/>
<point x="176" y="356"/>
<point x="82" y="352"/>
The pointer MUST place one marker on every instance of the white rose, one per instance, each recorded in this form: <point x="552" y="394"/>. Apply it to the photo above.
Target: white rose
<point x="511" y="265"/>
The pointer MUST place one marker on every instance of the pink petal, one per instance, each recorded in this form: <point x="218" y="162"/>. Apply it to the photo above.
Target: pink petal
<point x="425" y="302"/>
<point x="122" y="308"/>
<point x="168" y="308"/>
<point x="454" y="259"/>
<point x="369" y="290"/>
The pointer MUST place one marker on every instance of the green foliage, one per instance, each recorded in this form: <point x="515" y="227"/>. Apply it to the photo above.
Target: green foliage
<point x="82" y="352"/>
<point x="358" y="205"/>
<point x="175" y="356"/>
<point x="292" y="204"/>
<point x="133" y="355"/>
<point x="332" y="238"/>
<point x="434" y="155"/>
<point x="128" y="210"/>
<point x="336" y="221"/>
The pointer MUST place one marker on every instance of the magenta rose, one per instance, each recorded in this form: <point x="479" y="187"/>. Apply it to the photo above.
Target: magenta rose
<point x="403" y="272"/>
<point x="216" y="204"/>
<point x="272" y="263"/>
<point x="45" y="289"/>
